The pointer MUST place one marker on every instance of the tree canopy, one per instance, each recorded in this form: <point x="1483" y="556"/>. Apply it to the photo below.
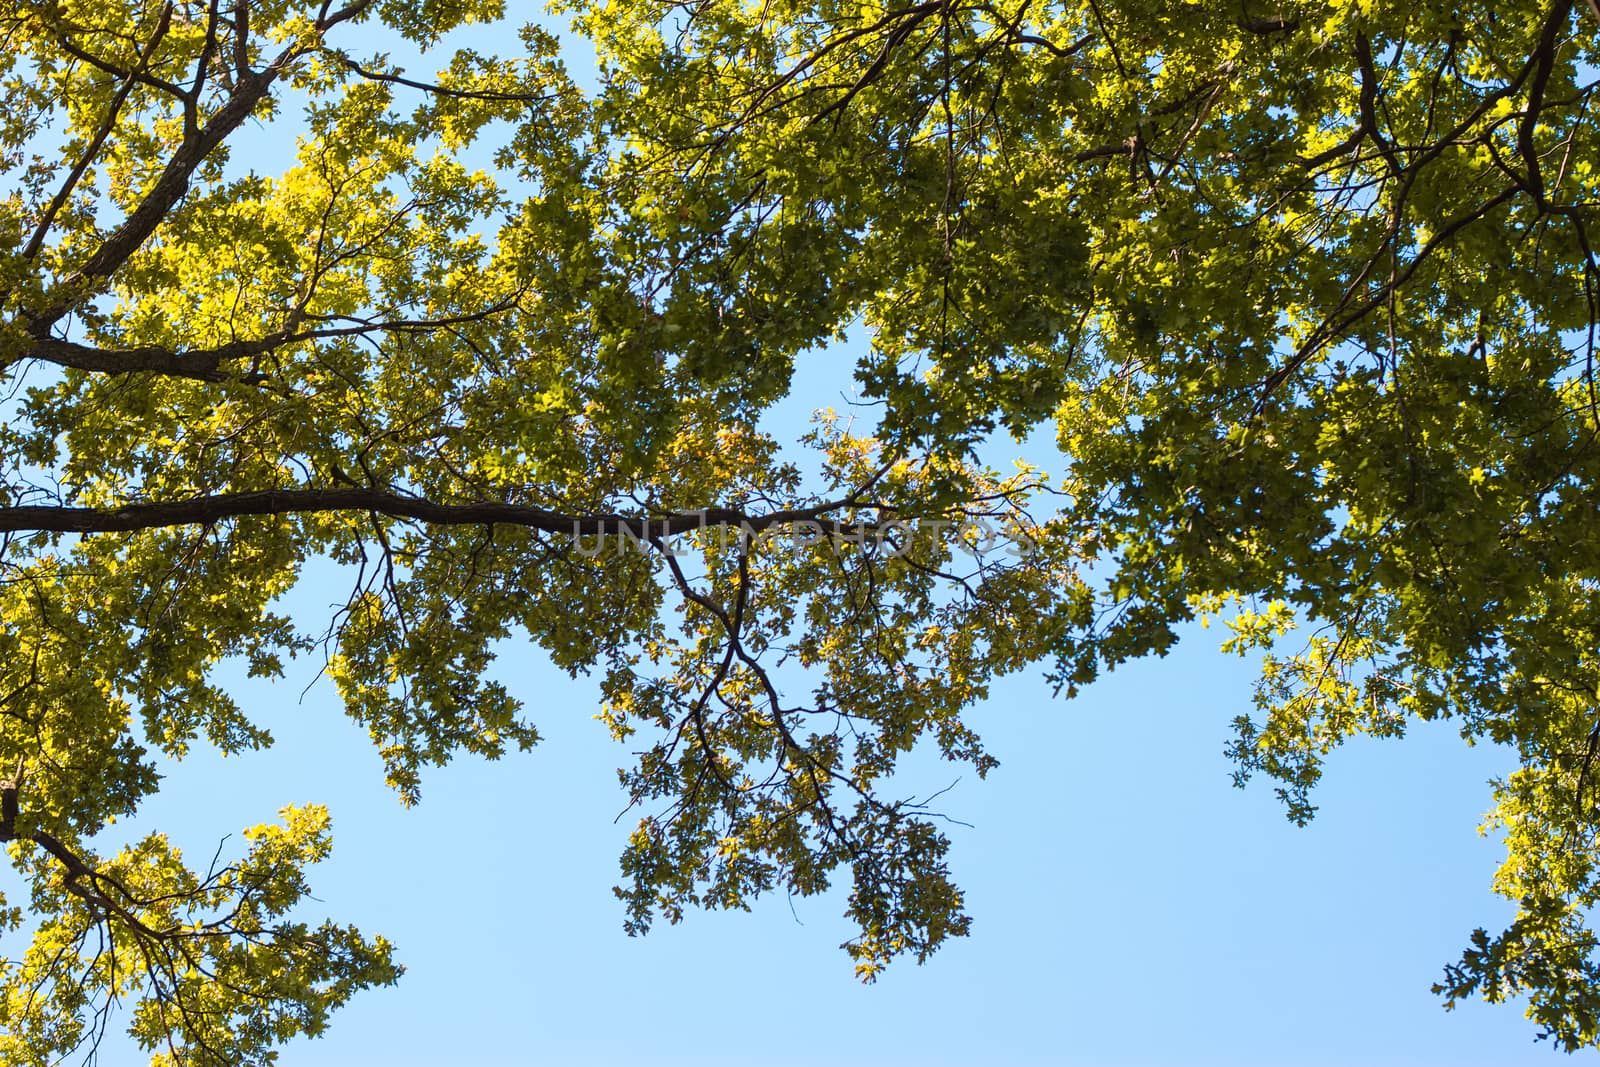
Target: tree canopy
<point x="1306" y="294"/>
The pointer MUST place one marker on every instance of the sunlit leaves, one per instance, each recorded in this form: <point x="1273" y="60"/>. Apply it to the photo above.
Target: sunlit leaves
<point x="1306" y="296"/>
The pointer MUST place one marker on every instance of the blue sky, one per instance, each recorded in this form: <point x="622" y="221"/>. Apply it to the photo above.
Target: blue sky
<point x="1130" y="906"/>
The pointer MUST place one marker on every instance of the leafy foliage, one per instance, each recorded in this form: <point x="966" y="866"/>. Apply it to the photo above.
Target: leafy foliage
<point x="1308" y="296"/>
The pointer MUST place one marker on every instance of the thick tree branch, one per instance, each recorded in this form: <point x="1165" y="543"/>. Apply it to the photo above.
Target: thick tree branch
<point x="207" y="364"/>
<point x="1544" y="56"/>
<point x="205" y="510"/>
<point x="200" y="364"/>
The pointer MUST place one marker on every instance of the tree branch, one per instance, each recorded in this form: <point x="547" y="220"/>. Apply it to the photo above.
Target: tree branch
<point x="205" y="510"/>
<point x="250" y="89"/>
<point x="114" y="112"/>
<point x="200" y="364"/>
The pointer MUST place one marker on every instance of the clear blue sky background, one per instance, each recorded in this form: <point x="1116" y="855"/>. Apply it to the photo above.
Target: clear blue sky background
<point x="1130" y="906"/>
